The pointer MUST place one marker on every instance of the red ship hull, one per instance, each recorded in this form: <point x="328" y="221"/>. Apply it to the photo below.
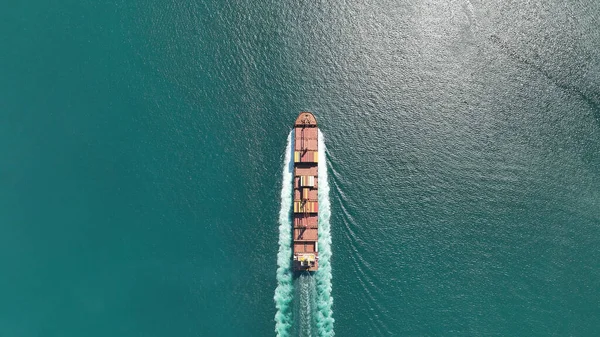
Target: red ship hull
<point x="306" y="195"/>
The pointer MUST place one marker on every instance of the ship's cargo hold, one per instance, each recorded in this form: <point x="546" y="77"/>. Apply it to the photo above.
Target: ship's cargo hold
<point x="306" y="203"/>
<point x="306" y="207"/>
<point x="307" y="181"/>
<point x="306" y="156"/>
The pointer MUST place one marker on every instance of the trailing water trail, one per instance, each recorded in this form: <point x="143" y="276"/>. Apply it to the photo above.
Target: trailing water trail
<point x="324" y="314"/>
<point x="284" y="293"/>
<point x="306" y="305"/>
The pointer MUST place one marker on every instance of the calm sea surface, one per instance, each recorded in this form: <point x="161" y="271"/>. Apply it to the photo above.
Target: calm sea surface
<point x="141" y="150"/>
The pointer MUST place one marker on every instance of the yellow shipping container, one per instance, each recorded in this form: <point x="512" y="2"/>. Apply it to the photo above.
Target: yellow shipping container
<point x="305" y="193"/>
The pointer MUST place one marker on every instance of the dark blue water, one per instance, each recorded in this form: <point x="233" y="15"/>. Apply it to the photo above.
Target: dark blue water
<point x="142" y="148"/>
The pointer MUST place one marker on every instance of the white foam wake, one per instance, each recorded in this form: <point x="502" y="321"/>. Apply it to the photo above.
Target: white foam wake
<point x="306" y="300"/>
<point x="324" y="315"/>
<point x="284" y="293"/>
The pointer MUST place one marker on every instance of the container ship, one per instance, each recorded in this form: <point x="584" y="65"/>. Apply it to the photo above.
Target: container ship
<point x="306" y="194"/>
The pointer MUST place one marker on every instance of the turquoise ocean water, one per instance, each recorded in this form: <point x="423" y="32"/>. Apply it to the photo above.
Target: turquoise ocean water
<point x="142" y="147"/>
